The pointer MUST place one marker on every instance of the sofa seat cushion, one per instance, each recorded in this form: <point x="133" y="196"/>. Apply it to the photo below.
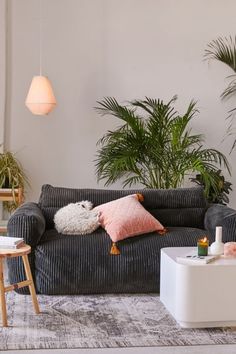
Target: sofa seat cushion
<point x="83" y="265"/>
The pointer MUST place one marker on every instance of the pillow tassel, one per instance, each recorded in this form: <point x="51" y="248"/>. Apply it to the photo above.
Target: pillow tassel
<point x="140" y="197"/>
<point x="163" y="232"/>
<point x="114" y="249"/>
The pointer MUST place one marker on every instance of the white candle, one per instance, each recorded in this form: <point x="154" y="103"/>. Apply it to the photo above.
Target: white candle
<point x="218" y="234"/>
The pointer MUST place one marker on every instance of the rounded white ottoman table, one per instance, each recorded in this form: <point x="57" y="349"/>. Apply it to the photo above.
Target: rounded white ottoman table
<point x="198" y="295"/>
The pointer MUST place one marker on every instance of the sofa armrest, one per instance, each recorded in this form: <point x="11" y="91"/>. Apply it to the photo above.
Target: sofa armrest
<point x="27" y="222"/>
<point x="221" y="215"/>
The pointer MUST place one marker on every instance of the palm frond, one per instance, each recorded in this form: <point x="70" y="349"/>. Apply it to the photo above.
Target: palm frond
<point x="156" y="149"/>
<point x="233" y="146"/>
<point x="224" y="50"/>
<point x="230" y="89"/>
<point x="109" y="106"/>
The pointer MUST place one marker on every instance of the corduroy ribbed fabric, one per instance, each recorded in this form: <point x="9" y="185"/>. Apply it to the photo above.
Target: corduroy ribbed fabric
<point x="27" y="222"/>
<point x="220" y="215"/>
<point x="63" y="264"/>
<point x="83" y="264"/>
<point x="173" y="207"/>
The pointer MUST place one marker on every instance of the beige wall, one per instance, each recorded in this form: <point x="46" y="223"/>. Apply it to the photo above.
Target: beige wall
<point x="122" y="48"/>
<point x="2" y="69"/>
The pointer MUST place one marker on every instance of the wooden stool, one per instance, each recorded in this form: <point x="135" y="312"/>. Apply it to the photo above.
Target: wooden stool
<point x="11" y="253"/>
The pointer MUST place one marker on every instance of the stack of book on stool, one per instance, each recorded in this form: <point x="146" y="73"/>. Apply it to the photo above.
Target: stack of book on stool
<point x="11" y="242"/>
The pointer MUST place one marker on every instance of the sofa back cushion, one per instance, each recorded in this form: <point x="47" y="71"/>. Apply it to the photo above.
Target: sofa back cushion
<point x="172" y="207"/>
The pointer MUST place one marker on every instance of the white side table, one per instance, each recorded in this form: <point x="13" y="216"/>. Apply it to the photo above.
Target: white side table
<point x="201" y="295"/>
<point x="8" y="195"/>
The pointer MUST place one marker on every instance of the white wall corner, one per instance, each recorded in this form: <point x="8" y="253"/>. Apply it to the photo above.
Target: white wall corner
<point x="3" y="53"/>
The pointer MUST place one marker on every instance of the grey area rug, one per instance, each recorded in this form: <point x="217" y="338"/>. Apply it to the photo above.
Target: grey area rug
<point x="99" y="321"/>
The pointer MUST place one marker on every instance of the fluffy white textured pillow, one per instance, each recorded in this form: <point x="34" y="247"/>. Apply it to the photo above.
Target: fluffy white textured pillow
<point x="77" y="219"/>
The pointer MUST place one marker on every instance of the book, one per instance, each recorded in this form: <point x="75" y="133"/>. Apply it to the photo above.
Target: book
<point x="11" y="241"/>
<point x="193" y="258"/>
<point x="3" y="223"/>
<point x="11" y="247"/>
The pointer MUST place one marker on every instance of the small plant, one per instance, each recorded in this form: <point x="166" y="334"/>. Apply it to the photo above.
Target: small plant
<point x="219" y="196"/>
<point x="154" y="146"/>
<point x="12" y="176"/>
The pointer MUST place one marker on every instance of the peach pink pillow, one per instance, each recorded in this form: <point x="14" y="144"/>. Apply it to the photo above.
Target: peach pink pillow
<point x="126" y="217"/>
<point x="230" y="249"/>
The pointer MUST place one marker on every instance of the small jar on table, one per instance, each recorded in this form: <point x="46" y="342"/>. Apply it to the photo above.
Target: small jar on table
<point x="202" y="247"/>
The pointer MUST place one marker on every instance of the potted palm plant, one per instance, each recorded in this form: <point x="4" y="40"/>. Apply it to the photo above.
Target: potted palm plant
<point x="154" y="146"/>
<point x="12" y="180"/>
<point x="219" y="196"/>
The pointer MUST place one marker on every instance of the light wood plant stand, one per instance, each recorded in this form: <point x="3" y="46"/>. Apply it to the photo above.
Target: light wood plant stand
<point x="11" y="253"/>
<point x="7" y="195"/>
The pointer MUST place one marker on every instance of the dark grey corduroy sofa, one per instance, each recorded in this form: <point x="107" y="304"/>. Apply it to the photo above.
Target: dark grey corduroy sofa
<point x="82" y="264"/>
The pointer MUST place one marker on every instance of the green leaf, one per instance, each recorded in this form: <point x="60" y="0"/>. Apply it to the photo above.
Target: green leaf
<point x="223" y="49"/>
<point x="154" y="147"/>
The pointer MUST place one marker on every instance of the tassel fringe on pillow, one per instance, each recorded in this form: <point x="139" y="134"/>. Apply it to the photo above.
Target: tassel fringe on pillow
<point x="114" y="249"/>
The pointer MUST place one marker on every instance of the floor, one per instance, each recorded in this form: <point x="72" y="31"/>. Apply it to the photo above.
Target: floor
<point x="204" y="349"/>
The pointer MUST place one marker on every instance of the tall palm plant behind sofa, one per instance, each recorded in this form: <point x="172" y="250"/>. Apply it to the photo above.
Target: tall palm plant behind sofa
<point x="83" y="265"/>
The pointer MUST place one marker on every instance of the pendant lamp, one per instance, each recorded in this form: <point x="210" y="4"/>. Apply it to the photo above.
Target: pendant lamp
<point x="40" y="99"/>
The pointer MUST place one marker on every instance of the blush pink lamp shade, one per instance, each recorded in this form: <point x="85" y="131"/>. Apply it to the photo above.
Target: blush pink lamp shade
<point x="40" y="99"/>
